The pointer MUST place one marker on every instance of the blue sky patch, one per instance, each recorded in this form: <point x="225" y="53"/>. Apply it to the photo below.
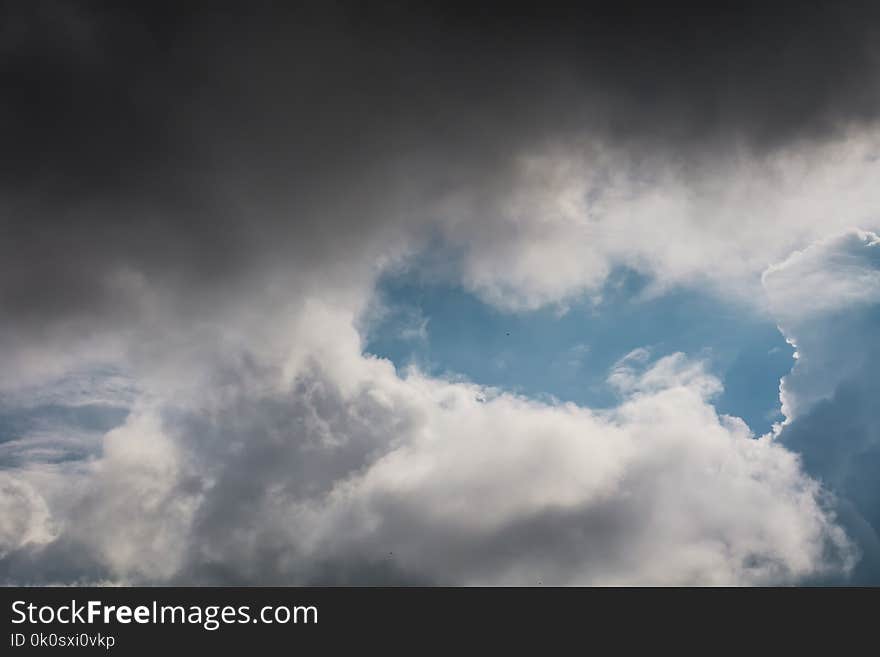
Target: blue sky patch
<point x="445" y="330"/>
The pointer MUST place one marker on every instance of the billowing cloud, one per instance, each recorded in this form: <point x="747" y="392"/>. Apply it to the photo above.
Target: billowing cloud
<point x="828" y="297"/>
<point x="346" y="472"/>
<point x="201" y="203"/>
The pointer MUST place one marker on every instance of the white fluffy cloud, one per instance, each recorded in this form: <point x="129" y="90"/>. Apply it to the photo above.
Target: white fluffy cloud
<point x="335" y="468"/>
<point x="562" y="219"/>
<point x="823" y="297"/>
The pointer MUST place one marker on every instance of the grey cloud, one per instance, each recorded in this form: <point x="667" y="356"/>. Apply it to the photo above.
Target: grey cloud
<point x="839" y="439"/>
<point x="202" y="186"/>
<point x="830" y="395"/>
<point x="199" y="148"/>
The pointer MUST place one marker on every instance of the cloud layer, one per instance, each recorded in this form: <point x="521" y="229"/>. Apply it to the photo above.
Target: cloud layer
<point x="187" y="155"/>
<point x="199" y="204"/>
<point x="348" y="473"/>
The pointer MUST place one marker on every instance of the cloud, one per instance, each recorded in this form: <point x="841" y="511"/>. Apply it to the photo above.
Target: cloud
<point x="346" y="472"/>
<point x="834" y="274"/>
<point x="163" y="160"/>
<point x="828" y="297"/>
<point x="25" y="517"/>
<point x="569" y="215"/>
<point x="825" y="299"/>
<point x="206" y="200"/>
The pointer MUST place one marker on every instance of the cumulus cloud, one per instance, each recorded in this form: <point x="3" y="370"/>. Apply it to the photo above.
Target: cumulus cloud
<point x="204" y="202"/>
<point x="25" y="519"/>
<point x="829" y="298"/>
<point x="347" y="472"/>
<point x="824" y="297"/>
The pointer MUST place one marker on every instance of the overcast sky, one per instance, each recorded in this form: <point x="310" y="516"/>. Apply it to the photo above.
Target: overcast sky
<point x="346" y="293"/>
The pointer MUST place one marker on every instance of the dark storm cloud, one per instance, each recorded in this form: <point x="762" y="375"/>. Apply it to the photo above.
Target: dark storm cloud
<point x="107" y="95"/>
<point x="194" y="145"/>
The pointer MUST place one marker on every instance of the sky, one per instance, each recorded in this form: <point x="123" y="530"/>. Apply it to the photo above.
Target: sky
<point x="459" y="294"/>
<point x="566" y="353"/>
